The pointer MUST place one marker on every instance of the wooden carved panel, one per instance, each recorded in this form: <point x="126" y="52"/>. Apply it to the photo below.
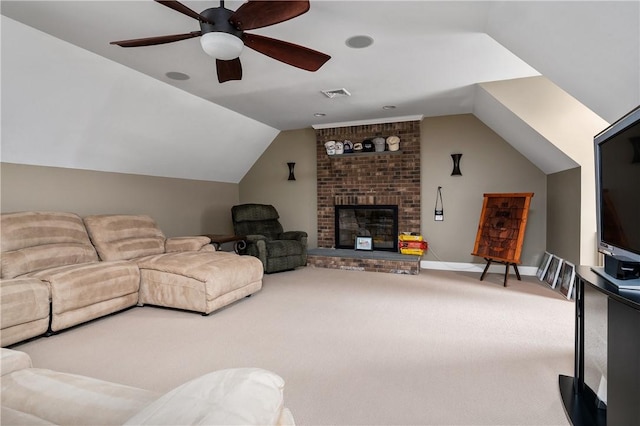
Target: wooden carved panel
<point x="502" y="225"/>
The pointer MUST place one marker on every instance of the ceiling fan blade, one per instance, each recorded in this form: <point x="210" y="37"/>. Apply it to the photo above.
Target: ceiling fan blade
<point x="229" y="70"/>
<point x="179" y="7"/>
<point x="289" y="53"/>
<point x="150" y="41"/>
<point x="258" y="14"/>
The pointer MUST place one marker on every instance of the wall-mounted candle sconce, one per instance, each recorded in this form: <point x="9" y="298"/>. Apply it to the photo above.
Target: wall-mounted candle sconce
<point x="456" y="165"/>
<point x="291" y="175"/>
<point x="635" y="143"/>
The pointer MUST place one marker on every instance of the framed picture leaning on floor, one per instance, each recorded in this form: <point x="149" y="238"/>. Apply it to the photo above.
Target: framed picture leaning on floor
<point x="553" y="271"/>
<point x="544" y="265"/>
<point x="566" y="279"/>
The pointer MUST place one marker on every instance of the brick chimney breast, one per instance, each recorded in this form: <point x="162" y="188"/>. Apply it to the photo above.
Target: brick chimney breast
<point x="372" y="178"/>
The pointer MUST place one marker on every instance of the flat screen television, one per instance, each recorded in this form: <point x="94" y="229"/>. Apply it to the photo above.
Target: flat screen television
<point x="617" y="161"/>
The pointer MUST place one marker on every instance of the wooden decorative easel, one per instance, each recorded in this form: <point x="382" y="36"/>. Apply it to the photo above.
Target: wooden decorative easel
<point x="501" y="230"/>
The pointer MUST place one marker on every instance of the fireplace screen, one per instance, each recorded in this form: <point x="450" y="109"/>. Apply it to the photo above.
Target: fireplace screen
<point x="378" y="222"/>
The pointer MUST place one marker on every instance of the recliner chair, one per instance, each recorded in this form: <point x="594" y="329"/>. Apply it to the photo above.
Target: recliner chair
<point x="266" y="239"/>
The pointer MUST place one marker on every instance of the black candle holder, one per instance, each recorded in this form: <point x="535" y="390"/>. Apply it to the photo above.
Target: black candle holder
<point x="456" y="165"/>
<point x="291" y="175"/>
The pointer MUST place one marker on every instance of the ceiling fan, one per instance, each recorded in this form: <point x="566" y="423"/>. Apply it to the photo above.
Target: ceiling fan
<point x="222" y="35"/>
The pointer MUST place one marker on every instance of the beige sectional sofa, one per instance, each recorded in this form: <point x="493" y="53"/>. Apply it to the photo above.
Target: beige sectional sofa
<point x="103" y="264"/>
<point x="35" y="396"/>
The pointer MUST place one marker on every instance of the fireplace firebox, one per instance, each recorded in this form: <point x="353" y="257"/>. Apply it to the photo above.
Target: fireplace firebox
<point x="380" y="222"/>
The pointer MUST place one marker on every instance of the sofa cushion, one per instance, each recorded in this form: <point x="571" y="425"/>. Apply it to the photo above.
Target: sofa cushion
<point x="223" y="271"/>
<point x="23" y="300"/>
<point x="239" y="396"/>
<point x="124" y="237"/>
<point x="68" y="399"/>
<point x="198" y="281"/>
<point x="34" y="241"/>
<point x="11" y="361"/>
<point x="76" y="286"/>
<point x="178" y="244"/>
<point x="14" y="417"/>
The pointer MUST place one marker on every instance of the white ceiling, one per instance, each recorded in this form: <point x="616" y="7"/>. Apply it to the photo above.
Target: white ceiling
<point x="426" y="59"/>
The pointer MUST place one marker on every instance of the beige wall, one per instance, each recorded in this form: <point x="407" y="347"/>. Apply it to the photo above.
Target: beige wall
<point x="187" y="207"/>
<point x="489" y="164"/>
<point x="180" y="206"/>
<point x="266" y="182"/>
<point x="563" y="214"/>
<point x="537" y="101"/>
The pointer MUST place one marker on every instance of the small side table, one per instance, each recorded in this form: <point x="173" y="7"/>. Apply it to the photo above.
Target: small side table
<point x="239" y="241"/>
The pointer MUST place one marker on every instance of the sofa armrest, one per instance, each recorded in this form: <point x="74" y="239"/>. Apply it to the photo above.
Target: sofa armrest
<point x="178" y="244"/>
<point x="242" y="396"/>
<point x="13" y="361"/>
<point x="293" y="235"/>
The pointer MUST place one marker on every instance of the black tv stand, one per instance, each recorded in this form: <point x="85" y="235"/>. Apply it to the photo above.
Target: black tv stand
<point x="580" y="407"/>
<point x="622" y="356"/>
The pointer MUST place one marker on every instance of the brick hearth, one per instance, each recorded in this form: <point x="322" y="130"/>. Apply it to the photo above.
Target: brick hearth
<point x="353" y="260"/>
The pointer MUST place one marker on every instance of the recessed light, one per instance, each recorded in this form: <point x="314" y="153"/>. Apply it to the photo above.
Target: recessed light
<point x="359" y="41"/>
<point x="175" y="75"/>
<point x="319" y="114"/>
<point x="389" y="107"/>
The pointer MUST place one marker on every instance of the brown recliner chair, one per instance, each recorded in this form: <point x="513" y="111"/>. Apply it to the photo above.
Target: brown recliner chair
<point x="266" y="239"/>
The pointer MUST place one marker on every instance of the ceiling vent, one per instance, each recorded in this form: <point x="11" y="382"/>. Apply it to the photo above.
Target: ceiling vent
<point x="336" y="93"/>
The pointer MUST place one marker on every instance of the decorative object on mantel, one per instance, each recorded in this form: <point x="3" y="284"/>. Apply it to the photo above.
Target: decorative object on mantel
<point x="367" y="146"/>
<point x="330" y="146"/>
<point x="348" y="146"/>
<point x="379" y="143"/>
<point x="394" y="143"/>
<point x="339" y="148"/>
<point x="291" y="175"/>
<point x="456" y="165"/>
<point x="501" y="230"/>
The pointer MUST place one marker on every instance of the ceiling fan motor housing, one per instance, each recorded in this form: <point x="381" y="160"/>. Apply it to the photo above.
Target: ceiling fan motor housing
<point x="220" y="16"/>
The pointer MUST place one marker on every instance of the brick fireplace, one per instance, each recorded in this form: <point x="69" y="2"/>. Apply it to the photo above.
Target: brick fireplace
<point x="389" y="178"/>
<point x="376" y="178"/>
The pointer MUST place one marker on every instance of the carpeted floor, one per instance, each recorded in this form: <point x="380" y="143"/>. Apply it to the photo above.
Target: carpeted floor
<point x="355" y="348"/>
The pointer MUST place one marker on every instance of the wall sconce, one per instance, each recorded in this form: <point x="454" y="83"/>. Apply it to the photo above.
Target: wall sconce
<point x="635" y="143"/>
<point x="456" y="165"/>
<point x="291" y="175"/>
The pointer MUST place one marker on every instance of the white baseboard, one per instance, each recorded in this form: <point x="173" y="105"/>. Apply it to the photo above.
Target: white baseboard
<point x="475" y="267"/>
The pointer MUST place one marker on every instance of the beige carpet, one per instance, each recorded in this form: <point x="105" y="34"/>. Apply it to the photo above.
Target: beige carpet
<point x="439" y="348"/>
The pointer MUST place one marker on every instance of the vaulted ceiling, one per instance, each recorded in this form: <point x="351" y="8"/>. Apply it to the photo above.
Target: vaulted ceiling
<point x="427" y="57"/>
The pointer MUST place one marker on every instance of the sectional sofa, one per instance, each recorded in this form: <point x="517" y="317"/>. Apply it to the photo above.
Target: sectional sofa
<point x="59" y="270"/>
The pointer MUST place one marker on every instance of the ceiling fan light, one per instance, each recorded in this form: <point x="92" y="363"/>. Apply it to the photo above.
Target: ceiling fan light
<point x="221" y="45"/>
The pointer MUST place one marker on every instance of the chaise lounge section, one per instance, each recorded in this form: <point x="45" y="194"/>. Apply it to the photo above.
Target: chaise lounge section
<point x="185" y="273"/>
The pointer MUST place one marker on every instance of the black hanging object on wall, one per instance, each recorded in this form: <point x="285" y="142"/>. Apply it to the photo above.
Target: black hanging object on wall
<point x="439" y="210"/>
<point x="291" y="175"/>
<point x="456" y="165"/>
